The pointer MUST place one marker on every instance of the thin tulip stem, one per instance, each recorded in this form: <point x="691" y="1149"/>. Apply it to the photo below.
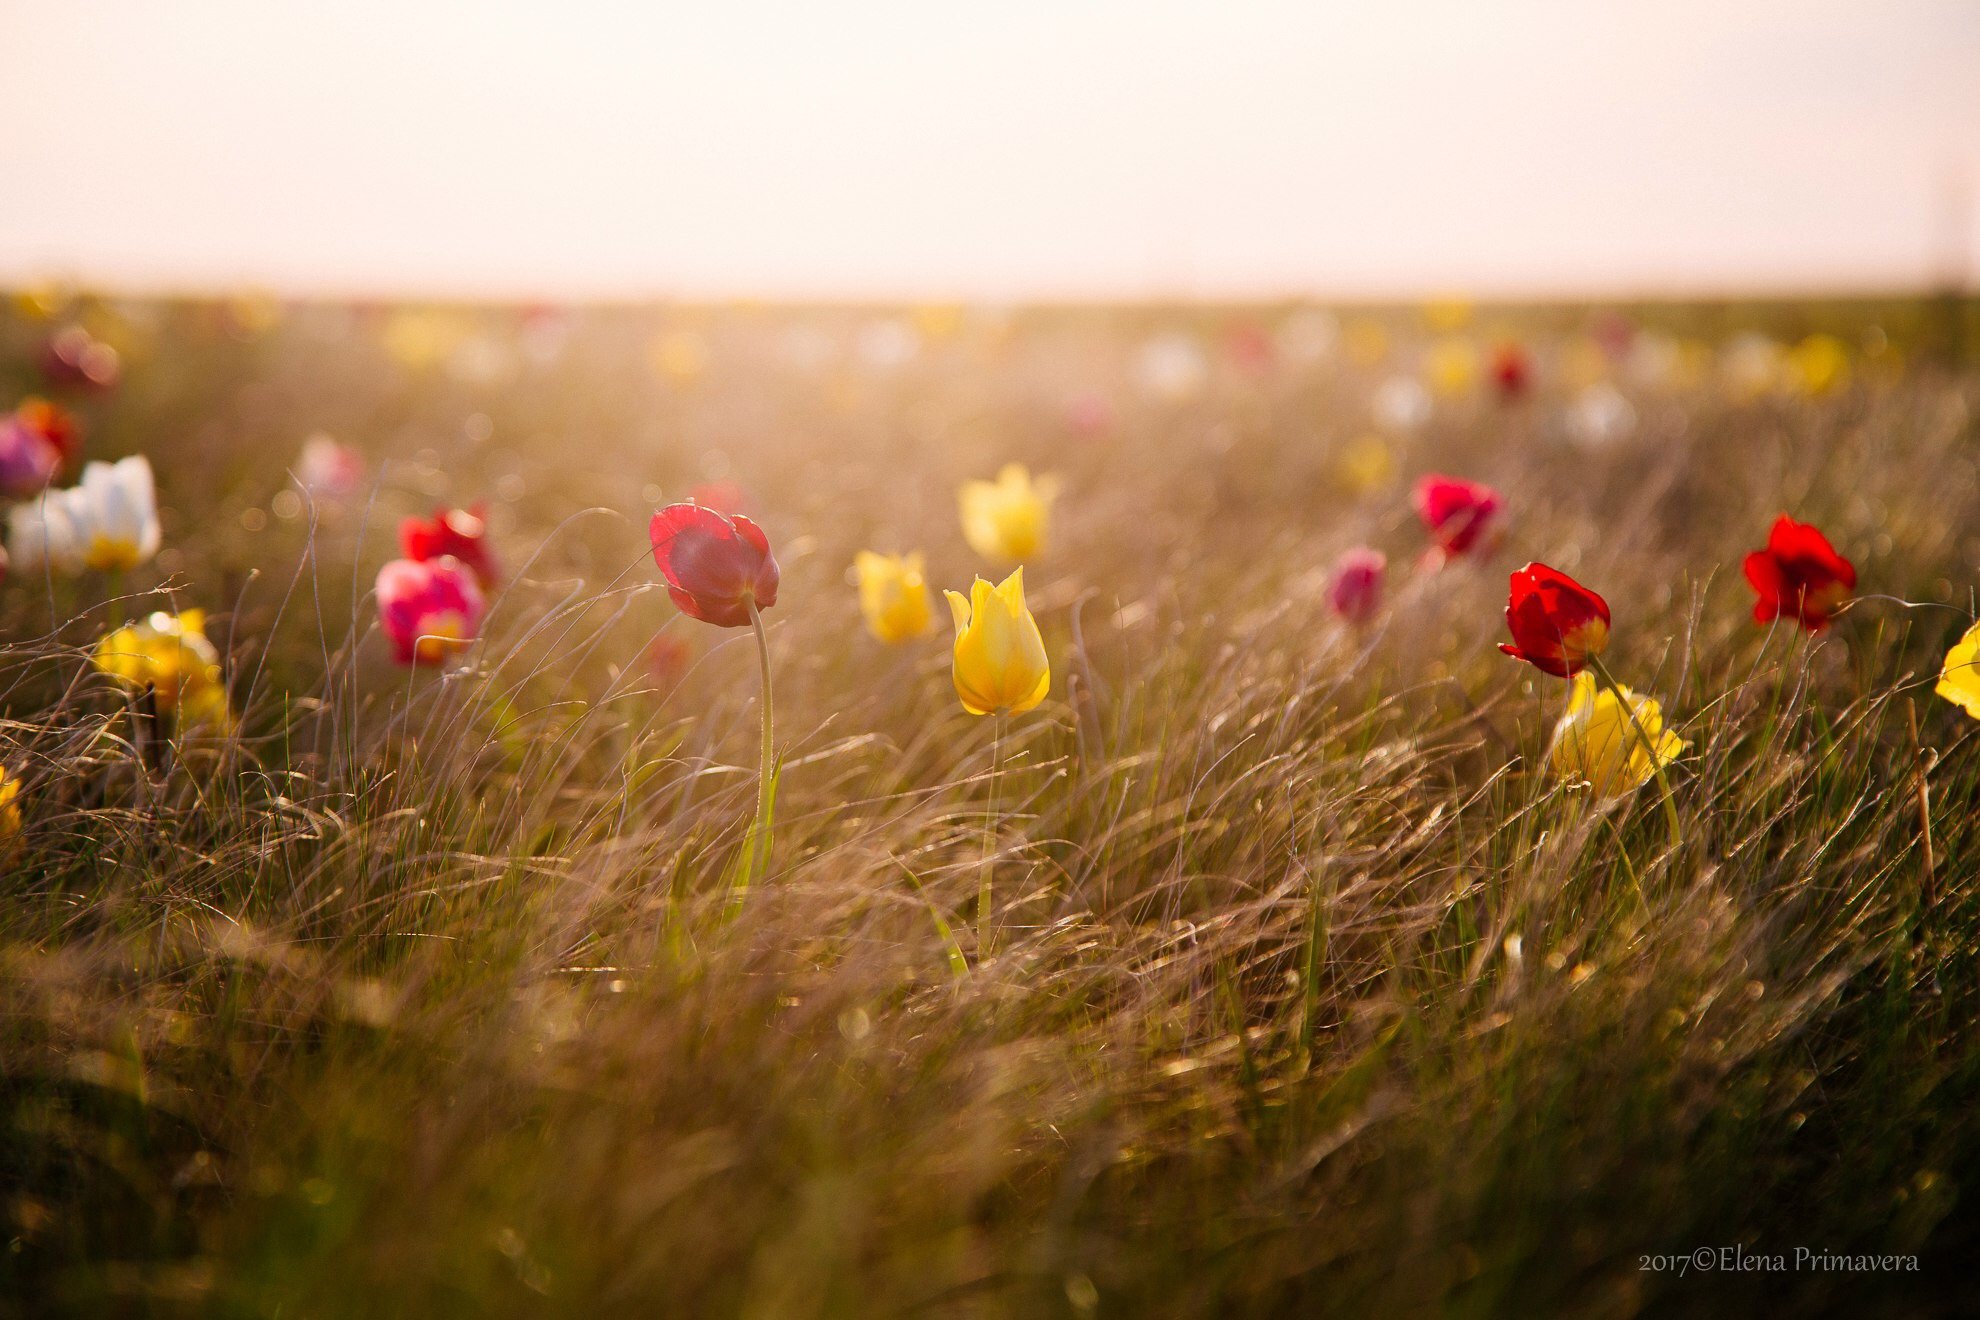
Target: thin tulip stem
<point x="983" y="882"/>
<point x="758" y="845"/>
<point x="1608" y="680"/>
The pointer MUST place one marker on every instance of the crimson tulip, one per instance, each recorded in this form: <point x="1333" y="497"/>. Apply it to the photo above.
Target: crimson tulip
<point x="461" y="533"/>
<point x="1799" y="576"/>
<point x="716" y="565"/>
<point x="1356" y="590"/>
<point x="1456" y="512"/>
<point x="1557" y="624"/>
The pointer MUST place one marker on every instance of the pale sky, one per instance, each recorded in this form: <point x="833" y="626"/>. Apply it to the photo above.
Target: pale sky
<point x="1076" y="148"/>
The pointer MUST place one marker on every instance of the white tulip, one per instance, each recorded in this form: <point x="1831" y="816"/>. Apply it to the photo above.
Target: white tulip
<point x="108" y="522"/>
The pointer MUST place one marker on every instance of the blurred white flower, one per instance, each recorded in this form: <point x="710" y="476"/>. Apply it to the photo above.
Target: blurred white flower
<point x="1600" y="417"/>
<point x="1171" y="366"/>
<point x="329" y="470"/>
<point x="1308" y="336"/>
<point x="888" y="345"/>
<point x="108" y="522"/>
<point x="1401" y="403"/>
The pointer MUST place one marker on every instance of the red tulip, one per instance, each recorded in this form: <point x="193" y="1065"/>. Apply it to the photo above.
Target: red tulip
<point x="55" y="424"/>
<point x="715" y="564"/>
<point x="1799" y="576"/>
<point x="429" y="609"/>
<point x="27" y="461"/>
<point x="1356" y="591"/>
<point x="461" y="533"/>
<point x="1456" y="512"/>
<point x="1556" y="623"/>
<point x="1512" y="369"/>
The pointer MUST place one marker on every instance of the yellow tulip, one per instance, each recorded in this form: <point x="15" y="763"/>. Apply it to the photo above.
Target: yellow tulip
<point x="1366" y="464"/>
<point x="1820" y="363"/>
<point x="1452" y="366"/>
<point x="1959" y="679"/>
<point x="10" y="813"/>
<point x="171" y="655"/>
<point x="1005" y="519"/>
<point x="893" y="595"/>
<point x="1597" y="742"/>
<point x="1000" y="662"/>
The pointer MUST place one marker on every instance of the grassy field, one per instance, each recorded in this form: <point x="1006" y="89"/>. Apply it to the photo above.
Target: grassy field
<point x="1307" y="988"/>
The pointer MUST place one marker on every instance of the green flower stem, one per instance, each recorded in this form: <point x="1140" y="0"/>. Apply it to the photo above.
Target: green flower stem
<point x="757" y="846"/>
<point x="1607" y="680"/>
<point x="983" y="931"/>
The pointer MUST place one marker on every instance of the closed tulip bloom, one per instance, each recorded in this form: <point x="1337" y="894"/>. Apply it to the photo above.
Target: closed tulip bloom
<point x="1006" y="519"/>
<point x="171" y="655"/>
<point x="1000" y="662"/>
<point x="459" y="533"/>
<point x="1799" y="576"/>
<point x="108" y="522"/>
<point x="1556" y="623"/>
<point x="1959" y="677"/>
<point x="716" y="565"/>
<point x="893" y="595"/>
<point x="1597" y="742"/>
<point x="431" y="609"/>
<point x="1457" y="513"/>
<point x="1356" y="590"/>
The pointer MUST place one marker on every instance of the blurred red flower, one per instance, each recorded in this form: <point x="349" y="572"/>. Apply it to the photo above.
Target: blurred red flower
<point x="1556" y="623"/>
<point x="1799" y="576"/>
<point x="1356" y="590"/>
<point x="431" y="610"/>
<point x="73" y="358"/>
<point x="1457" y="513"/>
<point x="1512" y="369"/>
<point x="715" y="564"/>
<point x="53" y="423"/>
<point x="461" y="533"/>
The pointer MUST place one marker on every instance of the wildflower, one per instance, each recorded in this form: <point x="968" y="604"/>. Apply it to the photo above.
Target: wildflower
<point x="1367" y="463"/>
<point x="27" y="461"/>
<point x="1000" y="662"/>
<point x="1511" y="369"/>
<point x="171" y="655"/>
<point x="1452" y="366"/>
<point x="1557" y="624"/>
<point x="75" y="359"/>
<point x="1598" y="742"/>
<point x="328" y="469"/>
<point x="893" y="595"/>
<point x="1799" y="575"/>
<point x="108" y="521"/>
<point x="1457" y="513"/>
<point x="1400" y="403"/>
<point x="1006" y="519"/>
<point x="668" y="661"/>
<point x="57" y="427"/>
<point x="680" y="356"/>
<point x="10" y="813"/>
<point x="1818" y="365"/>
<point x="1959" y="677"/>
<point x="1356" y="590"/>
<point x="718" y="566"/>
<point x="1171" y="366"/>
<point x="457" y="533"/>
<point x="431" y="609"/>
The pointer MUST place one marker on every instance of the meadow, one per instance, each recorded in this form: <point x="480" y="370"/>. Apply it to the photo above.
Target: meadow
<point x="1309" y="981"/>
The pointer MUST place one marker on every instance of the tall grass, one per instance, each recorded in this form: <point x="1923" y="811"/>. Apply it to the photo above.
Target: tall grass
<point x="1310" y="991"/>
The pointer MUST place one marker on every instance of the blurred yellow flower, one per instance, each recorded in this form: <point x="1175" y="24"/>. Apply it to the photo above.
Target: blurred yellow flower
<point x="893" y="595"/>
<point x="1006" y="519"/>
<point x="171" y="655"/>
<point x="10" y="813"/>
<point x="1597" y="742"/>
<point x="1000" y="662"/>
<point x="939" y="321"/>
<point x="680" y="356"/>
<point x="1959" y="678"/>
<point x="1819" y="364"/>
<point x="1367" y="464"/>
<point x="1451" y="312"/>
<point x="1452" y="367"/>
<point x="1367" y="342"/>
<point x="419" y="339"/>
<point x="40" y="302"/>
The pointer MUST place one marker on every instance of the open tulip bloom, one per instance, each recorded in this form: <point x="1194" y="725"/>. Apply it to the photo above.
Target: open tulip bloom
<point x="461" y="533"/>
<point x="1597" y="741"/>
<point x="1458" y="514"/>
<point x="108" y="521"/>
<point x="431" y="609"/>
<point x="171" y="656"/>
<point x="1798" y="576"/>
<point x="1557" y="624"/>
<point x="719" y="569"/>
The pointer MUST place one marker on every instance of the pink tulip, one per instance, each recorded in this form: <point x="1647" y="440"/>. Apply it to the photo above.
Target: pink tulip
<point x="28" y="462"/>
<point x="431" y="609"/>
<point x="1356" y="591"/>
<point x="329" y="470"/>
